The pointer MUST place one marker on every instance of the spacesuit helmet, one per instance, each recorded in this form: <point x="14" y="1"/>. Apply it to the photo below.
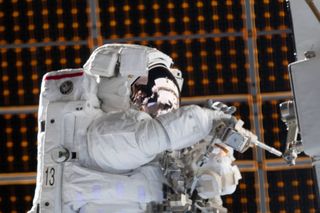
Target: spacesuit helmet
<point x="135" y="76"/>
<point x="158" y="92"/>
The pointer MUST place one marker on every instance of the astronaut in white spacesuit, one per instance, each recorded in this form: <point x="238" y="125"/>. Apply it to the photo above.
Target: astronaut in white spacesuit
<point x="114" y="118"/>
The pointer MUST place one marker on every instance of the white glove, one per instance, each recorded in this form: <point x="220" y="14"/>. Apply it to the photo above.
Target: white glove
<point x="209" y="185"/>
<point x="218" y="176"/>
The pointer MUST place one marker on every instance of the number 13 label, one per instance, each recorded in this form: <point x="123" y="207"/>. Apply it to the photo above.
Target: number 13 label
<point x="49" y="176"/>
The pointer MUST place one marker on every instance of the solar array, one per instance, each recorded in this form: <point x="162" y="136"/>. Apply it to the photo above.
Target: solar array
<point x="236" y="51"/>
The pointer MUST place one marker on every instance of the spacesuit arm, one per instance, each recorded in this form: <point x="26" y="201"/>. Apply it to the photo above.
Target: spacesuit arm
<point x="130" y="143"/>
<point x="189" y="124"/>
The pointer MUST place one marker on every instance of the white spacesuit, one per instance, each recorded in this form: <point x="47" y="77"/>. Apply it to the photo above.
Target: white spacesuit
<point x="103" y="127"/>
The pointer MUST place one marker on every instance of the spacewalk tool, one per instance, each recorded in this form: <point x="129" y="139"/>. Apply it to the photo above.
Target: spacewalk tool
<point x="237" y="137"/>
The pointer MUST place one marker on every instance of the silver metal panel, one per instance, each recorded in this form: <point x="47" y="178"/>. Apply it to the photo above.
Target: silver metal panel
<point x="317" y="175"/>
<point x="305" y="26"/>
<point x="305" y="79"/>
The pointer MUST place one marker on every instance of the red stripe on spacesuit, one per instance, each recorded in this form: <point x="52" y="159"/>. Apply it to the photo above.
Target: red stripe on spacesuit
<point x="57" y="77"/>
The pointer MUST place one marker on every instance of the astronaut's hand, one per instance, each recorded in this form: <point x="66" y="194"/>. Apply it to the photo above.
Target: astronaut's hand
<point x="230" y="122"/>
<point x="218" y="115"/>
<point x="220" y="121"/>
<point x="209" y="185"/>
<point x="217" y="174"/>
<point x="224" y="113"/>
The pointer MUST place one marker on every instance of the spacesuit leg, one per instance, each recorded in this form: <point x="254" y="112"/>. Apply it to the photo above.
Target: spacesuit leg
<point x="85" y="189"/>
<point x="113" y="208"/>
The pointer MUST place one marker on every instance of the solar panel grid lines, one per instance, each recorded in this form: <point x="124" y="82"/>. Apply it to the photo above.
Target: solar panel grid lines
<point x="208" y="41"/>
